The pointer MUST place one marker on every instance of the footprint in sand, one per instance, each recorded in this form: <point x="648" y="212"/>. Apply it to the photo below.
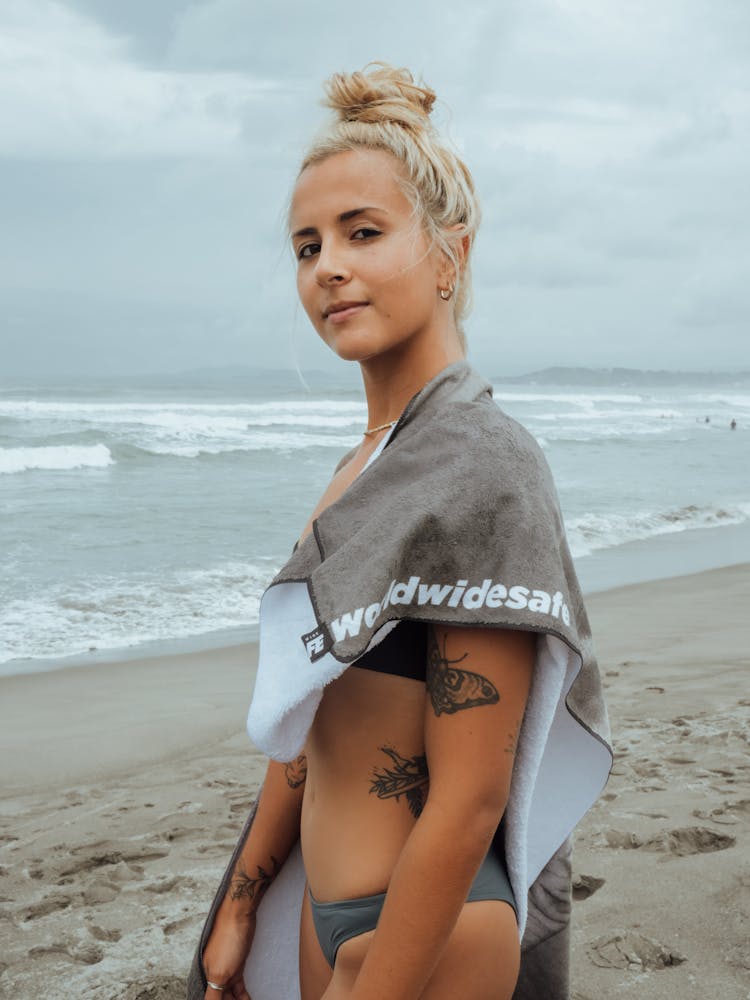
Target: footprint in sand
<point x="52" y="904"/>
<point x="100" y="892"/>
<point x="586" y="885"/>
<point x="123" y="872"/>
<point x="677" y="843"/>
<point x="177" y="925"/>
<point x="217" y="848"/>
<point x="681" y="724"/>
<point x="103" y="933"/>
<point x="631" y="950"/>
<point x="101" y="858"/>
<point x="646" y="768"/>
<point x="157" y="988"/>
<point x="72" y="799"/>
<point x="85" y="954"/>
<point x="621" y="838"/>
<point x="680" y="758"/>
<point x="688" y="840"/>
<point x="725" y="813"/>
<point x="243" y="806"/>
<point x="219" y="783"/>
<point x="719" y="763"/>
<point x="188" y="806"/>
<point x="176" y="833"/>
<point x="165" y="885"/>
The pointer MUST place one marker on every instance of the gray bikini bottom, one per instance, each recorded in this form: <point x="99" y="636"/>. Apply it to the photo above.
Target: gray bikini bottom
<point x="339" y="920"/>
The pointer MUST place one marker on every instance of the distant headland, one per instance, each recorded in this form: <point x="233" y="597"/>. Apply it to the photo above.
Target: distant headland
<point x="561" y="375"/>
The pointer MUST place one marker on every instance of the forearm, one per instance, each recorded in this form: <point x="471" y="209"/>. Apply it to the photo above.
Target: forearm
<point x="273" y="834"/>
<point x="425" y="896"/>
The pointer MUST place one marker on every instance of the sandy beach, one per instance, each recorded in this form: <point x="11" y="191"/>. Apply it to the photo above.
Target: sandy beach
<point x="125" y="785"/>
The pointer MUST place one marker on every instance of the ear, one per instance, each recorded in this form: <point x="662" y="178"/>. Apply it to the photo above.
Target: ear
<point x="462" y="246"/>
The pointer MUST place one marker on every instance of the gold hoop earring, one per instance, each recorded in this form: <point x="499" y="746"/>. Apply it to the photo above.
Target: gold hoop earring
<point x="445" y="293"/>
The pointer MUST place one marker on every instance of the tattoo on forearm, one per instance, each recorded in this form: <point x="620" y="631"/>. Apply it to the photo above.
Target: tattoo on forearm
<point x="408" y="776"/>
<point x="296" y="771"/>
<point x="451" y="689"/>
<point x="244" y="886"/>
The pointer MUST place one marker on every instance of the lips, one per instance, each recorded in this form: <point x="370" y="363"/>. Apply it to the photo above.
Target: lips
<point x="341" y="307"/>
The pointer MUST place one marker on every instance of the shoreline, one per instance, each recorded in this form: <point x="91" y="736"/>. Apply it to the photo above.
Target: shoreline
<point x="126" y="790"/>
<point x="211" y="687"/>
<point x="649" y="560"/>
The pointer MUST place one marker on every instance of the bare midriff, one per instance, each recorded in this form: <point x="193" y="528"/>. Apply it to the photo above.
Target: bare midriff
<point x="353" y="824"/>
<point x="354" y="819"/>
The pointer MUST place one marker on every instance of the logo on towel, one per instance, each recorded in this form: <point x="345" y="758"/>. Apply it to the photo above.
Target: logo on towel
<point x="317" y="643"/>
<point x="490" y="594"/>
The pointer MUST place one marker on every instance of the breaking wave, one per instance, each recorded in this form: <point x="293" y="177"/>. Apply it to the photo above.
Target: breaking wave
<point x="58" y="457"/>
<point x="591" y="532"/>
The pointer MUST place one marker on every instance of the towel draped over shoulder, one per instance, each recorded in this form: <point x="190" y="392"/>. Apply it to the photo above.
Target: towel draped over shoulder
<point x="455" y="521"/>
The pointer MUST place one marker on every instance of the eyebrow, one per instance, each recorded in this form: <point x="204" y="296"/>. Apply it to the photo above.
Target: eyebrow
<point x="344" y="217"/>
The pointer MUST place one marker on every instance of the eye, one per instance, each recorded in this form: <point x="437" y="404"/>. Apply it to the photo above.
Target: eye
<point x="365" y="233"/>
<point x="302" y="251"/>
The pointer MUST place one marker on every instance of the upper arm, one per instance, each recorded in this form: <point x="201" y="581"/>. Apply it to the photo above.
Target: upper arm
<point x="478" y="681"/>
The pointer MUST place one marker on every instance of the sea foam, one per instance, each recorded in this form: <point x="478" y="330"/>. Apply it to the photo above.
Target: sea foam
<point x="590" y="532"/>
<point x="58" y="457"/>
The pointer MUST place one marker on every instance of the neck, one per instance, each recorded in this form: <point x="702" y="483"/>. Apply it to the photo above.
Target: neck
<point x="390" y="380"/>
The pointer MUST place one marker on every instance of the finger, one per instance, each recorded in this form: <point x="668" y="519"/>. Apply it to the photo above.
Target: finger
<point x="240" y="992"/>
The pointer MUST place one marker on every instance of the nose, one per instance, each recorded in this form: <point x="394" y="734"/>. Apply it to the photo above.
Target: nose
<point x="331" y="267"/>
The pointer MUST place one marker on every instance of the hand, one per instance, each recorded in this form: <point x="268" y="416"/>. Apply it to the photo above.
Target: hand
<point x="226" y="952"/>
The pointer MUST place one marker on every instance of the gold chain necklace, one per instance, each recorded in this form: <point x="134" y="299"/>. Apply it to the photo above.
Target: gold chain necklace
<point x="380" y="427"/>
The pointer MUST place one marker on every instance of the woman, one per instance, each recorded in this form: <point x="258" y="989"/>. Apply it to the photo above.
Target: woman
<point x="394" y="709"/>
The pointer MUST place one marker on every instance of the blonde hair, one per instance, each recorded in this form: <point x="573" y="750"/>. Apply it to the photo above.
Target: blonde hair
<point x="385" y="109"/>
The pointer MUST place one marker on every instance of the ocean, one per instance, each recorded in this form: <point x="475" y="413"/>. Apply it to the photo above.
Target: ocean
<point x="142" y="513"/>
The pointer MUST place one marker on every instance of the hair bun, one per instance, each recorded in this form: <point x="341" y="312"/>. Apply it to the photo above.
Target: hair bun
<point x="385" y="94"/>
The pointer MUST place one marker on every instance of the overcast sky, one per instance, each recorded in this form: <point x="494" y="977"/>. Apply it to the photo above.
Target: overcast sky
<point x="148" y="147"/>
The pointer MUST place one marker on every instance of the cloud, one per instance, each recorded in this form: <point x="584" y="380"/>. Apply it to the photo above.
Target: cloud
<point x="147" y="151"/>
<point x="71" y="92"/>
<point x="145" y="26"/>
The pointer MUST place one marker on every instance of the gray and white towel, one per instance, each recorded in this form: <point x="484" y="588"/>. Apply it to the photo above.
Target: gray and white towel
<point x="455" y="521"/>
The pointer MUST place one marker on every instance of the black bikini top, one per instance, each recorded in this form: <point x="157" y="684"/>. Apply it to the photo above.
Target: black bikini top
<point x="403" y="652"/>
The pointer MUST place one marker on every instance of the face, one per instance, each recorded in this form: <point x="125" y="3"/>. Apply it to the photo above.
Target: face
<point x="358" y="244"/>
